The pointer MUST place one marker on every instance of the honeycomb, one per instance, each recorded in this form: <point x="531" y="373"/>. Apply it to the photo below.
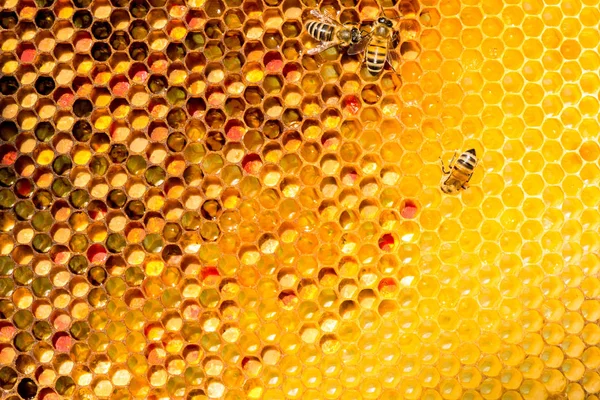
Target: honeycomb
<point x="194" y="208"/>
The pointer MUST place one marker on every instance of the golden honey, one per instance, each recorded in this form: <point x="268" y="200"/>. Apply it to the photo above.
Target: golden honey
<point x="192" y="207"/>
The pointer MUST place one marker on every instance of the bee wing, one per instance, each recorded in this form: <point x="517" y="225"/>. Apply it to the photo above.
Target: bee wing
<point x="393" y="59"/>
<point x="360" y="46"/>
<point x="322" y="46"/>
<point x="326" y="18"/>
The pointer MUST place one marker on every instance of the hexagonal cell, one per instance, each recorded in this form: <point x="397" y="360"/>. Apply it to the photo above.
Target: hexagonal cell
<point x="138" y="51"/>
<point x="214" y="29"/>
<point x="119" y="41"/>
<point x="82" y="19"/>
<point x="139" y="8"/>
<point x="101" y="51"/>
<point x="157" y="19"/>
<point x="44" y="19"/>
<point x="234" y="19"/>
<point x="254" y="29"/>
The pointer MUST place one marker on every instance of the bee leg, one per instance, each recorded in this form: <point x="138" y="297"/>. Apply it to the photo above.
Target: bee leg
<point x="452" y="161"/>
<point x="444" y="167"/>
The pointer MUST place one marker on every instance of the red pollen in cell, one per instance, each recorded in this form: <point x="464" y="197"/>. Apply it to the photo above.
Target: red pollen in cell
<point x="62" y="342"/>
<point x="386" y="242"/>
<point x="96" y="254"/>
<point x="409" y="210"/>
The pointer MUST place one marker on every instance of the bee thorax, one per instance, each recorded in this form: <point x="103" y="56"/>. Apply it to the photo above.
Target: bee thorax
<point x="381" y="30"/>
<point x="344" y="35"/>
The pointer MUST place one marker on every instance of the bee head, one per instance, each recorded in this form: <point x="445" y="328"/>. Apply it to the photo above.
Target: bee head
<point x="355" y="34"/>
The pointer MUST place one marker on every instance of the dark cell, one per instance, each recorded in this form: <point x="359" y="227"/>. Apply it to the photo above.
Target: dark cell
<point x="27" y="388"/>
<point x="44" y="19"/>
<point x="24" y="341"/>
<point x="62" y="164"/>
<point x="97" y="276"/>
<point x="138" y="30"/>
<point x="157" y="83"/>
<point x="172" y="254"/>
<point x="215" y="118"/>
<point x="42" y="330"/>
<point x="82" y="108"/>
<point x="272" y="129"/>
<point x="138" y="51"/>
<point x="176" y="142"/>
<point x="101" y="51"/>
<point x="214" y="29"/>
<point x="97" y="210"/>
<point x="135" y="210"/>
<point x="42" y="199"/>
<point x="119" y="3"/>
<point x="215" y="141"/>
<point x="176" y="118"/>
<point x="82" y="19"/>
<point x="78" y="264"/>
<point x="211" y="209"/>
<point x="136" y="165"/>
<point x="78" y="243"/>
<point x="101" y="30"/>
<point x="24" y="188"/>
<point x="116" y="198"/>
<point x="118" y="153"/>
<point x="7" y="176"/>
<point x="119" y="41"/>
<point x="194" y="40"/>
<point x="8" y="378"/>
<point x="61" y="186"/>
<point x="8" y="19"/>
<point x="253" y="118"/>
<point x="115" y="243"/>
<point x="44" y="131"/>
<point x="176" y="52"/>
<point x="155" y="175"/>
<point x="44" y="85"/>
<point x="79" y="198"/>
<point x="82" y="130"/>
<point x="8" y="130"/>
<point x="82" y="3"/>
<point x="24" y="210"/>
<point x="80" y="330"/>
<point x="7" y="199"/>
<point x="8" y="85"/>
<point x="99" y="165"/>
<point x="139" y="9"/>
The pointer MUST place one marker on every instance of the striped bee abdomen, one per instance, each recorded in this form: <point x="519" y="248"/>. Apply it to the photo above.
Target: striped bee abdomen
<point x="320" y="31"/>
<point x="468" y="160"/>
<point x="376" y="55"/>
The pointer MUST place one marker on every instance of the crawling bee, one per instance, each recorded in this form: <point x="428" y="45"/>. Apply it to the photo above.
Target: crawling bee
<point x="330" y="33"/>
<point x="379" y="43"/>
<point x="460" y="173"/>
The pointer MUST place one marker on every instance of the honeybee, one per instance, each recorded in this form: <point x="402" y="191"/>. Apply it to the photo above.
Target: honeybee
<point x="330" y="33"/>
<point x="460" y="173"/>
<point x="379" y="44"/>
